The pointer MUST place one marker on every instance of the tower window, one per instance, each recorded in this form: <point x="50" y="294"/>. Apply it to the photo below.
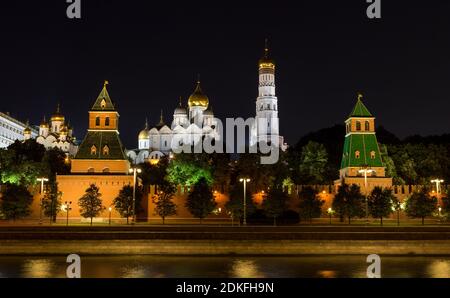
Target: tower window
<point x="105" y="150"/>
<point x="93" y="150"/>
<point x="97" y="121"/>
<point x="103" y="103"/>
<point x="358" y="125"/>
<point x="372" y="154"/>
<point x="107" y="121"/>
<point x="367" y="126"/>
<point x="357" y="154"/>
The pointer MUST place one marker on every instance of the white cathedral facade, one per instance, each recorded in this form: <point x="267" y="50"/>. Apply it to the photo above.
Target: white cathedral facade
<point x="57" y="134"/>
<point x="196" y="122"/>
<point x="189" y="127"/>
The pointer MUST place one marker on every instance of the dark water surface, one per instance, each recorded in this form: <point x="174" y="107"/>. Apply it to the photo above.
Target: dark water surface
<point x="225" y="266"/>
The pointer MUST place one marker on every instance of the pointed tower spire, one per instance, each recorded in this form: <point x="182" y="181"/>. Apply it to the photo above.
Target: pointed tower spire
<point x="103" y="101"/>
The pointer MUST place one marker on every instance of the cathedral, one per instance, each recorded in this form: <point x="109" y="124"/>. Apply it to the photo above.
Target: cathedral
<point x="57" y="134"/>
<point x="196" y="121"/>
<point x="190" y="125"/>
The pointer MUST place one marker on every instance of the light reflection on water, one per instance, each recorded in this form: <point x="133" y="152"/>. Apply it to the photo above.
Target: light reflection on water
<point x="224" y="266"/>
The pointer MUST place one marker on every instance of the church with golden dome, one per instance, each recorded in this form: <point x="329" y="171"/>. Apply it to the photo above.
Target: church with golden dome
<point x="57" y="133"/>
<point x="191" y="124"/>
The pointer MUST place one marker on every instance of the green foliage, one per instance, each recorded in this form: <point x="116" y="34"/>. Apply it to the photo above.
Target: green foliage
<point x="235" y="204"/>
<point x="51" y="202"/>
<point x="381" y="201"/>
<point x="313" y="166"/>
<point x="15" y="202"/>
<point x="349" y="202"/>
<point x="420" y="204"/>
<point x="275" y="202"/>
<point x="164" y="206"/>
<point x="91" y="203"/>
<point x="188" y="169"/>
<point x="200" y="201"/>
<point x="310" y="203"/>
<point x="123" y="203"/>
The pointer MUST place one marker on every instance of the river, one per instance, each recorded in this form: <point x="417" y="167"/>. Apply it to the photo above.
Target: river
<point x="224" y="266"/>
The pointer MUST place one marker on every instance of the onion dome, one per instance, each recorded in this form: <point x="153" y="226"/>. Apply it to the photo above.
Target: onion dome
<point x="180" y="110"/>
<point x="57" y="116"/>
<point x="198" y="98"/>
<point x="143" y="135"/>
<point x="44" y="123"/>
<point x="27" y="129"/>
<point x="266" y="61"/>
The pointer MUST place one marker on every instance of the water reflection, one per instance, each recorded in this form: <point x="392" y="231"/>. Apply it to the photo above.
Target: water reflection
<point x="245" y="269"/>
<point x="439" y="269"/>
<point x="225" y="266"/>
<point x="39" y="268"/>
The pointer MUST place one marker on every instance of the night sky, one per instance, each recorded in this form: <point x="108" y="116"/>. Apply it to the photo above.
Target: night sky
<point x="151" y="54"/>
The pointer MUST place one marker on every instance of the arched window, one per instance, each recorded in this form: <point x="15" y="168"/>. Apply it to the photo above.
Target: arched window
<point x="105" y="150"/>
<point x="106" y="170"/>
<point x="93" y="150"/>
<point x="91" y="170"/>
<point x="367" y="126"/>
<point x="372" y="154"/>
<point x="358" y="125"/>
<point x="107" y="121"/>
<point x="357" y="154"/>
<point x="97" y="121"/>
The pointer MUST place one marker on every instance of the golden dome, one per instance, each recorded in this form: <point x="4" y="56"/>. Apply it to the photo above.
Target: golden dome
<point x="44" y="123"/>
<point x="57" y="116"/>
<point x="266" y="61"/>
<point x="144" y="134"/>
<point x="198" y="99"/>
<point x="63" y="130"/>
<point x="27" y="130"/>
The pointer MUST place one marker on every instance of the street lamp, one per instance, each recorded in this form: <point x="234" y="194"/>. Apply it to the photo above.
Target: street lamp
<point x="110" y="209"/>
<point x="135" y="171"/>
<point x="366" y="170"/>
<point x="438" y="184"/>
<point x="245" y="180"/>
<point x="42" y="180"/>
<point x="66" y="207"/>
<point x="330" y="213"/>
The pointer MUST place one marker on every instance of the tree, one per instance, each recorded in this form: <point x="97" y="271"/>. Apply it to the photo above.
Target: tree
<point x="313" y="165"/>
<point x="123" y="203"/>
<point x="51" y="202"/>
<point x="15" y="202"/>
<point x="420" y="204"/>
<point x="235" y="204"/>
<point x="164" y="206"/>
<point x="200" y="201"/>
<point x="275" y="203"/>
<point x="310" y="203"/>
<point x="348" y="202"/>
<point x="91" y="203"/>
<point x="381" y="201"/>
<point x="446" y="206"/>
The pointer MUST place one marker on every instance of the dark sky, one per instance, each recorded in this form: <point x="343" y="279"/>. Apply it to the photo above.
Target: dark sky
<point x="152" y="52"/>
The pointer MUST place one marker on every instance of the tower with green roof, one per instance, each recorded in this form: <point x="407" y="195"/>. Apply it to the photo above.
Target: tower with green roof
<point x="361" y="151"/>
<point x="101" y="150"/>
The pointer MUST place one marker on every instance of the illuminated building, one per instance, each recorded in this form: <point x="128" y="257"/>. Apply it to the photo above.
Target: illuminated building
<point x="12" y="129"/>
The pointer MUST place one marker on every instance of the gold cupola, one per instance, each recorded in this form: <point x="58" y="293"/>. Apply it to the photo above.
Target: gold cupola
<point x="198" y="98"/>
<point x="144" y="134"/>
<point x="57" y="116"/>
<point x="44" y="123"/>
<point x="266" y="61"/>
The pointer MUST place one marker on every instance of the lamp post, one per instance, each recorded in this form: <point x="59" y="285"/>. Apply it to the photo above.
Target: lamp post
<point x="42" y="180"/>
<point x="135" y="171"/>
<point x="330" y="213"/>
<point x="110" y="209"/>
<point x="245" y="180"/>
<point x="366" y="170"/>
<point x="438" y="185"/>
<point x="66" y="207"/>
